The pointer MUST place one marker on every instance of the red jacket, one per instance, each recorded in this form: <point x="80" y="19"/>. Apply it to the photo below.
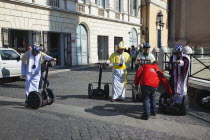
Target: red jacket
<point x="151" y="75"/>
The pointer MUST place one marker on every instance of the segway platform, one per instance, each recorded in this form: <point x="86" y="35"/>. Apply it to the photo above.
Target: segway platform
<point x="167" y="103"/>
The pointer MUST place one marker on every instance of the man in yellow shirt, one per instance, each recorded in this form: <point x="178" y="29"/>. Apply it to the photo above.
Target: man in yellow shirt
<point x="119" y="72"/>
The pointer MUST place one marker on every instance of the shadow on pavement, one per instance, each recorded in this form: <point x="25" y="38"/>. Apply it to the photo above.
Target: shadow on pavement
<point x="5" y="103"/>
<point x="10" y="85"/>
<point x="133" y="111"/>
<point x="64" y="97"/>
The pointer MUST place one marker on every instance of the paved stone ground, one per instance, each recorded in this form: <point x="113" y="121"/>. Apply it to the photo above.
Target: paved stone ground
<point x="74" y="116"/>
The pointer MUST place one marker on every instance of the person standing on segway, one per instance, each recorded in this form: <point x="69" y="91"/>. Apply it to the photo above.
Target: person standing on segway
<point x="145" y="57"/>
<point x="119" y="72"/>
<point x="179" y="73"/>
<point x="31" y="67"/>
<point x="142" y="58"/>
<point x="149" y="76"/>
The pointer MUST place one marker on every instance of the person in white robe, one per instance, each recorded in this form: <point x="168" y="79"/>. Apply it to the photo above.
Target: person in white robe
<point x="119" y="72"/>
<point x="179" y="73"/>
<point x="31" y="68"/>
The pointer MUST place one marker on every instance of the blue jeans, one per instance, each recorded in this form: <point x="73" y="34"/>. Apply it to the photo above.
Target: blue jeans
<point x="148" y="94"/>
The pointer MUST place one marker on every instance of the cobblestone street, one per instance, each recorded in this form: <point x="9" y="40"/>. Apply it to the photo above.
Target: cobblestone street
<point x="74" y="116"/>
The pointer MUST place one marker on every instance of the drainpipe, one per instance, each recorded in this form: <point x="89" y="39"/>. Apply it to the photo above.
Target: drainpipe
<point x="128" y="10"/>
<point x="147" y="20"/>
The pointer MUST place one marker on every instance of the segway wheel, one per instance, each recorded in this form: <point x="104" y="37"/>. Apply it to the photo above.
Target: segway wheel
<point x="200" y="96"/>
<point x="34" y="100"/>
<point x="90" y="91"/>
<point x="106" y="91"/>
<point x="184" y="106"/>
<point x="161" y="101"/>
<point x="134" y="94"/>
<point x="50" y="94"/>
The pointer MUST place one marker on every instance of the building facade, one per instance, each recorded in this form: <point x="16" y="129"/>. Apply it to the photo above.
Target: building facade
<point x="76" y="32"/>
<point x="152" y="33"/>
<point x="189" y="23"/>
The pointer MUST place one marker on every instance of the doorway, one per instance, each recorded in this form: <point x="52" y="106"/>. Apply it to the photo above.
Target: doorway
<point x="103" y="48"/>
<point x="54" y="46"/>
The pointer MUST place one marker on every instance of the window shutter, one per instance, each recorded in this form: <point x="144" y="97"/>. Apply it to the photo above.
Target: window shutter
<point x="131" y="7"/>
<point x="117" y="5"/>
<point x="87" y="1"/>
<point x="97" y="2"/>
<point x="122" y="6"/>
<point x="5" y="37"/>
<point x="138" y="8"/>
<point x="106" y="3"/>
<point x="36" y="35"/>
<point x="45" y="38"/>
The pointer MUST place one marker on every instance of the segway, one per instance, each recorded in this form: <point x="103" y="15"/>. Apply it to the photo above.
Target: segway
<point x="203" y="98"/>
<point x="98" y="92"/>
<point x="46" y="97"/>
<point x="170" y="103"/>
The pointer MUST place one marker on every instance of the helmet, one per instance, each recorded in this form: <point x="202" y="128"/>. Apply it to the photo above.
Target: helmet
<point x="187" y="50"/>
<point x="36" y="48"/>
<point x="146" y="45"/>
<point x="121" y="45"/>
<point x="178" y="49"/>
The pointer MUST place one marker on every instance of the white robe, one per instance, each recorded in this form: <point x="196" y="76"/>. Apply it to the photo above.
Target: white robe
<point x="118" y="88"/>
<point x="32" y="74"/>
<point x="180" y="86"/>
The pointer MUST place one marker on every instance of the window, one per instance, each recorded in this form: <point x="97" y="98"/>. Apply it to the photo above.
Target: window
<point x="54" y="3"/>
<point x="133" y="40"/>
<point x="81" y="1"/>
<point x="118" y="5"/>
<point x="9" y="55"/>
<point x="101" y="3"/>
<point x="134" y="8"/>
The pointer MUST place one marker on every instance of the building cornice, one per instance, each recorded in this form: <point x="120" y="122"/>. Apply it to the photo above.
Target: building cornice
<point x="73" y="12"/>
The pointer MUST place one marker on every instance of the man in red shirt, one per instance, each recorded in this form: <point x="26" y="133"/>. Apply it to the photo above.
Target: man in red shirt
<point x="150" y="76"/>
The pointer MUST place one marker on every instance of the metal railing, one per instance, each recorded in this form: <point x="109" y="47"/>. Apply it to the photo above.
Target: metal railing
<point x="199" y="68"/>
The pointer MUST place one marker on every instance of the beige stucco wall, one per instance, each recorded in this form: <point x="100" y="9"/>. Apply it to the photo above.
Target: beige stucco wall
<point x="198" y="21"/>
<point x="106" y="28"/>
<point x="153" y="11"/>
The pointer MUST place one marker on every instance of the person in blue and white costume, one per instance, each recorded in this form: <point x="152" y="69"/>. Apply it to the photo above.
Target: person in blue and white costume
<point x="31" y="68"/>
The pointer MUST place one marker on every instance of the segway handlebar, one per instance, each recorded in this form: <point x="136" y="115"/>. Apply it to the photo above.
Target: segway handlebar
<point x="101" y="65"/>
<point x="51" y="63"/>
<point x="170" y="65"/>
<point x="143" y="61"/>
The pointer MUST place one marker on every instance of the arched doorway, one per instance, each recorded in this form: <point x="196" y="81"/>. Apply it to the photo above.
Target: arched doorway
<point x="133" y="38"/>
<point x="82" y="45"/>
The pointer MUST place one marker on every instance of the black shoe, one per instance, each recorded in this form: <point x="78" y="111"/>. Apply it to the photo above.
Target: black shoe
<point x="113" y="100"/>
<point x="153" y="113"/>
<point x="120" y="100"/>
<point x="27" y="105"/>
<point x="144" y="117"/>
